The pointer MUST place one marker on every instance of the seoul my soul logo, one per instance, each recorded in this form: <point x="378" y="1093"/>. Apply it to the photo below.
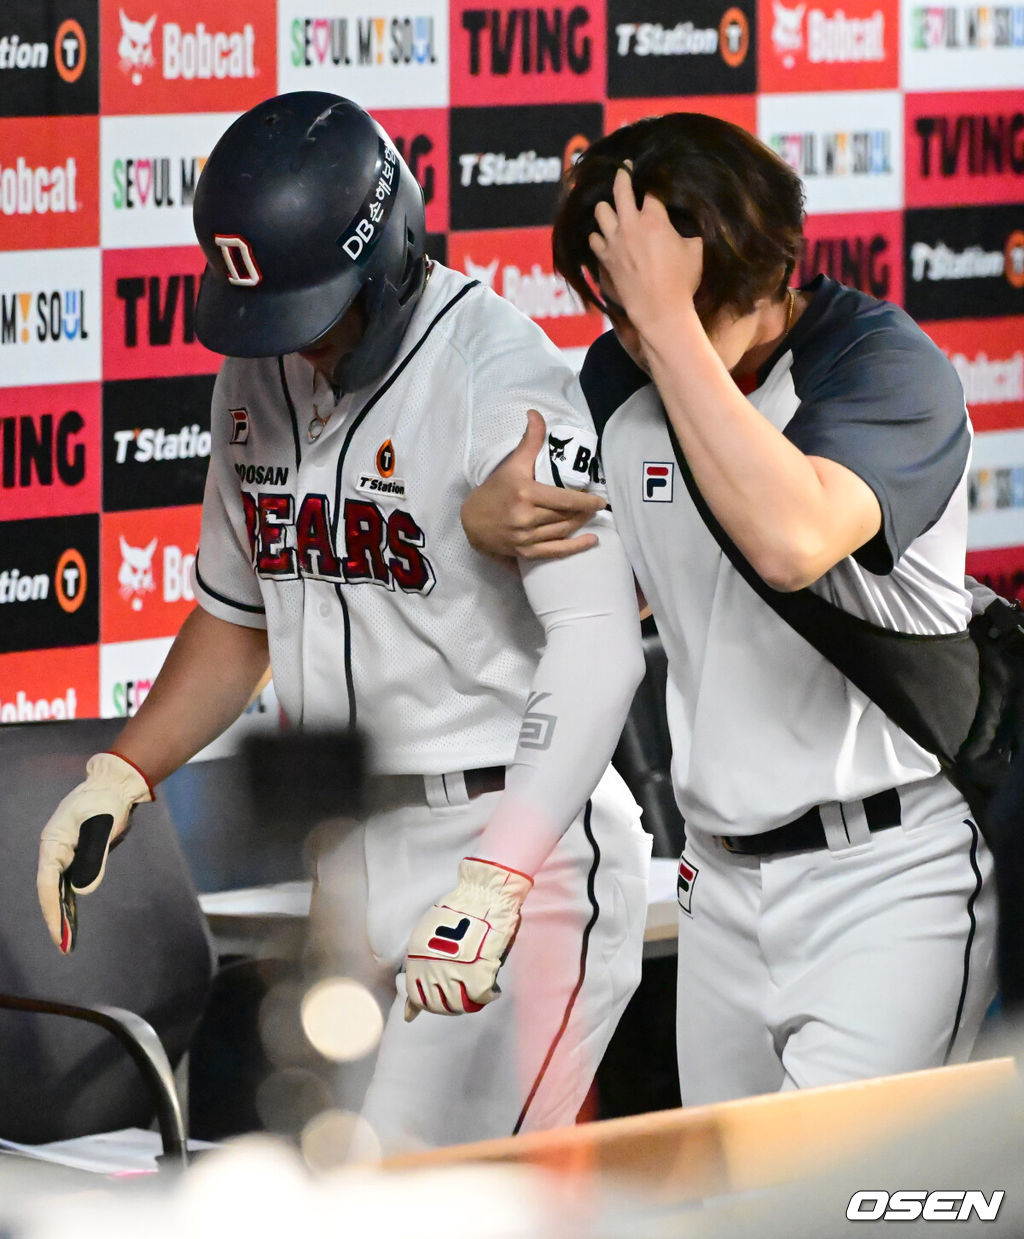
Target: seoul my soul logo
<point x="843" y="153"/>
<point x="409" y="39"/>
<point x="971" y="28"/>
<point x="189" y="55"/>
<point x="155" y="181"/>
<point x="43" y="317"/>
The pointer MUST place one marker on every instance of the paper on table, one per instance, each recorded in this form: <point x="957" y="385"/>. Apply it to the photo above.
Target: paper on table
<point x="281" y="899"/>
<point x="114" y="1152"/>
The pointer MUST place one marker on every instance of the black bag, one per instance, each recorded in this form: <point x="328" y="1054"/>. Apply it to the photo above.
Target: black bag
<point x="959" y="695"/>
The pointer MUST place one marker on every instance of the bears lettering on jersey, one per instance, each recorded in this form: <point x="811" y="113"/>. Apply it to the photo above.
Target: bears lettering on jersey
<point x="374" y="547"/>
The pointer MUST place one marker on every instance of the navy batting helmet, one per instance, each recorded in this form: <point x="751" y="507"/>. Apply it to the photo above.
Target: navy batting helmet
<point x="303" y="204"/>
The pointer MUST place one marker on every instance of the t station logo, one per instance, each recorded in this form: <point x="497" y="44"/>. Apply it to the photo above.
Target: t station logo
<point x="507" y="164"/>
<point x="516" y="264"/>
<point x="549" y="52"/>
<point x="156" y="442"/>
<point x="48" y="583"/>
<point x="653" y="51"/>
<point x="48" y="59"/>
<point x="961" y="264"/>
<point x="964" y="148"/>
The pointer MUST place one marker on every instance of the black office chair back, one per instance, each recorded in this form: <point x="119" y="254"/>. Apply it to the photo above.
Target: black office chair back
<point x="644" y="753"/>
<point x="142" y="945"/>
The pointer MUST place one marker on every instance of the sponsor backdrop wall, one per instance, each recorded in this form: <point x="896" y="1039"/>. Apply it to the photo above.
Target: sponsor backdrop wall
<point x="905" y="120"/>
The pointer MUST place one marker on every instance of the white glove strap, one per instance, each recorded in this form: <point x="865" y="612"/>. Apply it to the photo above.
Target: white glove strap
<point x="494" y="882"/>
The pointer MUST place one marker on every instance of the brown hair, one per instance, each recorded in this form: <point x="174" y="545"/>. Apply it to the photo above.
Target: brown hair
<point x="717" y="181"/>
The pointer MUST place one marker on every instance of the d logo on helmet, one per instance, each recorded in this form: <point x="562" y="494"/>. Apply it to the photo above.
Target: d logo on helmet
<point x="232" y="248"/>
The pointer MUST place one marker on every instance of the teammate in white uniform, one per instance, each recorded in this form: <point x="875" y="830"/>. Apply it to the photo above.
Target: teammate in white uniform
<point x="837" y="914"/>
<point x="366" y="391"/>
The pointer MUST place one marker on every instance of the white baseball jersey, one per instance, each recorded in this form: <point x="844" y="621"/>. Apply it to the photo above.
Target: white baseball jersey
<point x="763" y="727"/>
<point x="343" y="539"/>
<point x="794" y="964"/>
<point x="349" y="548"/>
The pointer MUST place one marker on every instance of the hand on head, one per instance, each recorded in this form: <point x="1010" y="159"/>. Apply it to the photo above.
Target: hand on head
<point x="651" y="270"/>
<point x="512" y="514"/>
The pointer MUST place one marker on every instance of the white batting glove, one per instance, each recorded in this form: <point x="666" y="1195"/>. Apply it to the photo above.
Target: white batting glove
<point x="75" y="841"/>
<point x="461" y="942"/>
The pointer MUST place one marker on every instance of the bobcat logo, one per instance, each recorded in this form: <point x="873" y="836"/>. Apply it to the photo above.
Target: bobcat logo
<point x="787" y="33"/>
<point x="135" y="48"/>
<point x="484" y="274"/>
<point x="556" y="448"/>
<point x="135" y="577"/>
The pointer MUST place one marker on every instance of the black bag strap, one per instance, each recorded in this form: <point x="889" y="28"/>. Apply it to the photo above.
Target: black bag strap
<point x="927" y="685"/>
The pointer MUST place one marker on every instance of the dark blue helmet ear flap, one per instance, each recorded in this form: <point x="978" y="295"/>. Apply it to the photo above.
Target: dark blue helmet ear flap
<point x="303" y="204"/>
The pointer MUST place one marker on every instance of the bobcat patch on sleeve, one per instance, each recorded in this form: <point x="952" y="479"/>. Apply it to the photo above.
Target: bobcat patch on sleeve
<point x="571" y="458"/>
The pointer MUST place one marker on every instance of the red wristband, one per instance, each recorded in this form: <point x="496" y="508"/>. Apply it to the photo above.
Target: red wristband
<point x="141" y="773"/>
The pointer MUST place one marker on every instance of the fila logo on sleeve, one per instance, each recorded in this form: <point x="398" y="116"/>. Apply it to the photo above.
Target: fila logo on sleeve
<point x="239" y="425"/>
<point x="659" y="481"/>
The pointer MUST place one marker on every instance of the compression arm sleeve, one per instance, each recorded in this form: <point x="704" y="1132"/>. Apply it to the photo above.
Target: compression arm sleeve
<point x="581" y="692"/>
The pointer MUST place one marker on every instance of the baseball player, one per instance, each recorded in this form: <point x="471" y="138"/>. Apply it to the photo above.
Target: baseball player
<point x="365" y="391"/>
<point x="837" y="914"/>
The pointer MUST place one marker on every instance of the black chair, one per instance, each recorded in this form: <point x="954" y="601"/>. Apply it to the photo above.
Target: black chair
<point x="644" y="752"/>
<point x="143" y="954"/>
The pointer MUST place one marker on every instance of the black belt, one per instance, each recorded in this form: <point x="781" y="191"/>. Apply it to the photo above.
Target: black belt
<point x="807" y="831"/>
<point x="483" y="780"/>
<point x="391" y="791"/>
